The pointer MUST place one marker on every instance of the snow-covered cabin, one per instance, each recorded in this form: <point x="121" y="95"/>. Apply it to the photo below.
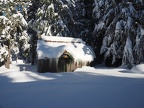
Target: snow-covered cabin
<point x="62" y="54"/>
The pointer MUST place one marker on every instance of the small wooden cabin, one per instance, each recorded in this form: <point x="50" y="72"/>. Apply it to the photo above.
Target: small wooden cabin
<point x="62" y="54"/>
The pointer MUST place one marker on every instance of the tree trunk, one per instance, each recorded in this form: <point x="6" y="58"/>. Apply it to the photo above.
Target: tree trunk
<point x="7" y="62"/>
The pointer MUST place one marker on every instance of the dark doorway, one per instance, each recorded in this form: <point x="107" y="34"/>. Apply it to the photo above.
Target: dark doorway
<point x="66" y="62"/>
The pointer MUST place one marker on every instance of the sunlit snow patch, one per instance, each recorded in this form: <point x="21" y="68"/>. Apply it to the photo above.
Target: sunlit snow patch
<point x="138" y="69"/>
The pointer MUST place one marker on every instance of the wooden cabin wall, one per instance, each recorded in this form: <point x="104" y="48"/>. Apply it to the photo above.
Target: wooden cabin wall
<point x="47" y="65"/>
<point x="54" y="65"/>
<point x="71" y="67"/>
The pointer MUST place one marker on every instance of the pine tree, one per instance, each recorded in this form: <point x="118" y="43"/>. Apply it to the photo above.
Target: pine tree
<point x="52" y="18"/>
<point x="13" y="31"/>
<point x="87" y="22"/>
<point x="119" y="31"/>
<point x="4" y="33"/>
<point x="59" y="17"/>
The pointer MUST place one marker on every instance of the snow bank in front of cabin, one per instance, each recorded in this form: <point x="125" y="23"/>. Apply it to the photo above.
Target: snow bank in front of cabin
<point x="138" y="69"/>
<point x="55" y="46"/>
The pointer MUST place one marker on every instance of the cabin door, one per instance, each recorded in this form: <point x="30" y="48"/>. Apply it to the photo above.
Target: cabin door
<point x="65" y="62"/>
<point x="62" y="65"/>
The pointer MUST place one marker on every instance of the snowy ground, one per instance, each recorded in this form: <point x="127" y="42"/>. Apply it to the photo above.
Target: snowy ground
<point x="87" y="87"/>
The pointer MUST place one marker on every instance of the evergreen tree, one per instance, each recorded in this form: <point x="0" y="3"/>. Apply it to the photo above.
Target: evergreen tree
<point x="4" y="34"/>
<point x="59" y="17"/>
<point x="13" y="30"/>
<point x="87" y="22"/>
<point x="52" y="17"/>
<point x="119" y="31"/>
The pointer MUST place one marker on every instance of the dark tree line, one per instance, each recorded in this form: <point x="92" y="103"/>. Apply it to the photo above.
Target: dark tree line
<point x="113" y="28"/>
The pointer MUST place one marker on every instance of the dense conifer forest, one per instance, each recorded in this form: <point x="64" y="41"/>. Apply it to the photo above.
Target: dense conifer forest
<point x="113" y="28"/>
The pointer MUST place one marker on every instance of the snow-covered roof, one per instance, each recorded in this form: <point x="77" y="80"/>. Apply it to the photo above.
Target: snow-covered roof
<point x="53" y="47"/>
